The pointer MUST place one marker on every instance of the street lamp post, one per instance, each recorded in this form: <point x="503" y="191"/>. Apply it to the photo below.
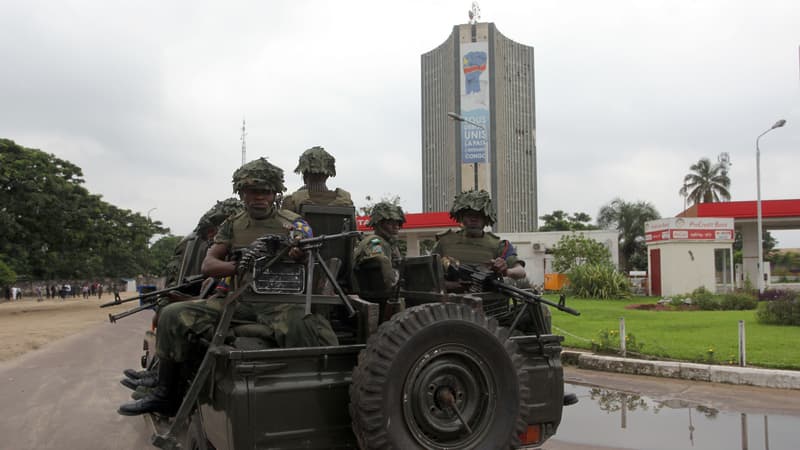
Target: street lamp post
<point x="148" y="213"/>
<point x="760" y="262"/>
<point x="460" y="118"/>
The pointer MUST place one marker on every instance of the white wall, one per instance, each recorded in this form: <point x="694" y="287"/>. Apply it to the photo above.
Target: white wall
<point x="685" y="266"/>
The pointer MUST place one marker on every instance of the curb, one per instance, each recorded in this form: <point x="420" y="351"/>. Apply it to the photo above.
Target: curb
<point x="772" y="378"/>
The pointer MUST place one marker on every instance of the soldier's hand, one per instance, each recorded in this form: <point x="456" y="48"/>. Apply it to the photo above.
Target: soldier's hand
<point x="499" y="266"/>
<point x="296" y="253"/>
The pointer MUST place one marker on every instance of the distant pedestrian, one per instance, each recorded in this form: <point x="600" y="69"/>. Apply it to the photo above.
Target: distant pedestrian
<point x="117" y="298"/>
<point x="39" y="293"/>
<point x="99" y="291"/>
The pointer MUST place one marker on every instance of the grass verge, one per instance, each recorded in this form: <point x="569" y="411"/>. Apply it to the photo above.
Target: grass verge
<point x="697" y="336"/>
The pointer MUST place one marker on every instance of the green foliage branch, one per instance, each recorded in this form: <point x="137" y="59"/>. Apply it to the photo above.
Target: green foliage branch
<point x="54" y="228"/>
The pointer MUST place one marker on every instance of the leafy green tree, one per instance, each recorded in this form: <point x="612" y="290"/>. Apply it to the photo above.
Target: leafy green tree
<point x="161" y="253"/>
<point x="576" y="249"/>
<point x="628" y="219"/>
<point x="558" y="220"/>
<point x="707" y="184"/>
<point x="54" y="228"/>
<point x="7" y="276"/>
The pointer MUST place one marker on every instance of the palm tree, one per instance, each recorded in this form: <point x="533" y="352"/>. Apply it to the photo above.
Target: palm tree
<point x="709" y="183"/>
<point x="628" y="219"/>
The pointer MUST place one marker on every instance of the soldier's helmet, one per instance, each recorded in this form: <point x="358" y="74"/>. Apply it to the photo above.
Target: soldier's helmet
<point x="317" y="160"/>
<point x="260" y="174"/>
<point x="386" y="211"/>
<point x="218" y="213"/>
<point x="478" y="201"/>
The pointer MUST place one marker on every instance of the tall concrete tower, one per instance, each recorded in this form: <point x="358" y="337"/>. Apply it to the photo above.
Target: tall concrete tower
<point x="486" y="80"/>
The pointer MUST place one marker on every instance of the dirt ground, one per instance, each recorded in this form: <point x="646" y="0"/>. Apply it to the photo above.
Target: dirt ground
<point x="28" y="324"/>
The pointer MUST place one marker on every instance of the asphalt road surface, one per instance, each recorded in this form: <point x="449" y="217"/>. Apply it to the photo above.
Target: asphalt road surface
<point x="65" y="395"/>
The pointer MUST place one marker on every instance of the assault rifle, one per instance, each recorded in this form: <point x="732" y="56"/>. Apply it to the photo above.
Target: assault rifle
<point x="149" y="299"/>
<point x="489" y="281"/>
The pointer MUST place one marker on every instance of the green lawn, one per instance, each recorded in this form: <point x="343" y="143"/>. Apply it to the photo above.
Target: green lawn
<point x="682" y="335"/>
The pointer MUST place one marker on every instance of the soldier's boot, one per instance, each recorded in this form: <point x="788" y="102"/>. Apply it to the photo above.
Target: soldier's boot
<point x="136" y="374"/>
<point x="140" y="392"/>
<point x="149" y="381"/>
<point x="164" y="398"/>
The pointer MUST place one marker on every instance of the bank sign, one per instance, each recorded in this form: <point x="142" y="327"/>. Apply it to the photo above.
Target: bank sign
<point x="475" y="98"/>
<point x="689" y="229"/>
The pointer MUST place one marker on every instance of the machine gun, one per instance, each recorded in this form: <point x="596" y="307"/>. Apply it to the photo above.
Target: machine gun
<point x="274" y="247"/>
<point x="479" y="280"/>
<point x="149" y="299"/>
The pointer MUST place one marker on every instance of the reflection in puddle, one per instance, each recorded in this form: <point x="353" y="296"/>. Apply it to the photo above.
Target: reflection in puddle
<point x="616" y="419"/>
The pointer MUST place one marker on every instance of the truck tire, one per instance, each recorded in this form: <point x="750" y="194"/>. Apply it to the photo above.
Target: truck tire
<point x="425" y="363"/>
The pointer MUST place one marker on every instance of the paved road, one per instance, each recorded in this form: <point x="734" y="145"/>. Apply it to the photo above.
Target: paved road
<point x="65" y="395"/>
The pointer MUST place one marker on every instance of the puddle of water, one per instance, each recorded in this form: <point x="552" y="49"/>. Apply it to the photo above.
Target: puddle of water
<point x="614" y="419"/>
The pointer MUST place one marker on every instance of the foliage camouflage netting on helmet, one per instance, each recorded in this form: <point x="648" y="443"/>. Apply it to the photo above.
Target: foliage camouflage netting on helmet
<point x="386" y="211"/>
<point x="478" y="201"/>
<point x="218" y="213"/>
<point x="259" y="173"/>
<point x="317" y="160"/>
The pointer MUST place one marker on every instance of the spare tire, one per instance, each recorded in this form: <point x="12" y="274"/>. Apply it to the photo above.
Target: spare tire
<point x="439" y="376"/>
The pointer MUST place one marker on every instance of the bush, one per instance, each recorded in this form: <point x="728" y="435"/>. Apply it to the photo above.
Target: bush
<point x="779" y="312"/>
<point x="733" y="301"/>
<point x="598" y="281"/>
<point x="736" y="301"/>
<point x="704" y="300"/>
<point x="777" y="294"/>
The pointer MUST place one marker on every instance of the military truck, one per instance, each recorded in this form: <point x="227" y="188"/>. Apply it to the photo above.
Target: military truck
<point x="445" y="372"/>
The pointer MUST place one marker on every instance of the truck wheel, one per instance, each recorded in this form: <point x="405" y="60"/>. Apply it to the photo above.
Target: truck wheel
<point x="439" y="376"/>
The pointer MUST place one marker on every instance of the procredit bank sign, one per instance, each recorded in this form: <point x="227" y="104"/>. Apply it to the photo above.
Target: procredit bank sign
<point x="689" y="229"/>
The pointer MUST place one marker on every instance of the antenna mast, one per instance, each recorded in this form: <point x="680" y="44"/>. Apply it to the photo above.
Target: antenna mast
<point x="244" y="143"/>
<point x="474" y="13"/>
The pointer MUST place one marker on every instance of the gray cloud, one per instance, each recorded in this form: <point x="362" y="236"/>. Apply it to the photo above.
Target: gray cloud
<point x="148" y="97"/>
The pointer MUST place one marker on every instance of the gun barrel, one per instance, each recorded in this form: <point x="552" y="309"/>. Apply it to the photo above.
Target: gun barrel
<point x="114" y="317"/>
<point x="530" y="296"/>
<point x="327" y="237"/>
<point x="192" y="281"/>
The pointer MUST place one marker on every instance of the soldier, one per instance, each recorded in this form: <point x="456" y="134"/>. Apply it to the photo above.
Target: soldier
<point x="186" y="261"/>
<point x="471" y="244"/>
<point x="258" y="183"/>
<point x="316" y="165"/>
<point x="377" y="258"/>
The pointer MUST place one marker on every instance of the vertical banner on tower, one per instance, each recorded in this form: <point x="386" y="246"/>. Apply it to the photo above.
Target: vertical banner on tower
<point x="475" y="102"/>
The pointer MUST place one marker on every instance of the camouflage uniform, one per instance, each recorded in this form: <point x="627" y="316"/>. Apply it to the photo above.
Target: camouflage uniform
<point x="480" y="250"/>
<point x="377" y="258"/>
<point x="316" y="161"/>
<point x="180" y="322"/>
<point x="474" y="250"/>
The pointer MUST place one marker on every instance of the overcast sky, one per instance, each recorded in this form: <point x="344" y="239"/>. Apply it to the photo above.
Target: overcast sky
<point x="148" y="97"/>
